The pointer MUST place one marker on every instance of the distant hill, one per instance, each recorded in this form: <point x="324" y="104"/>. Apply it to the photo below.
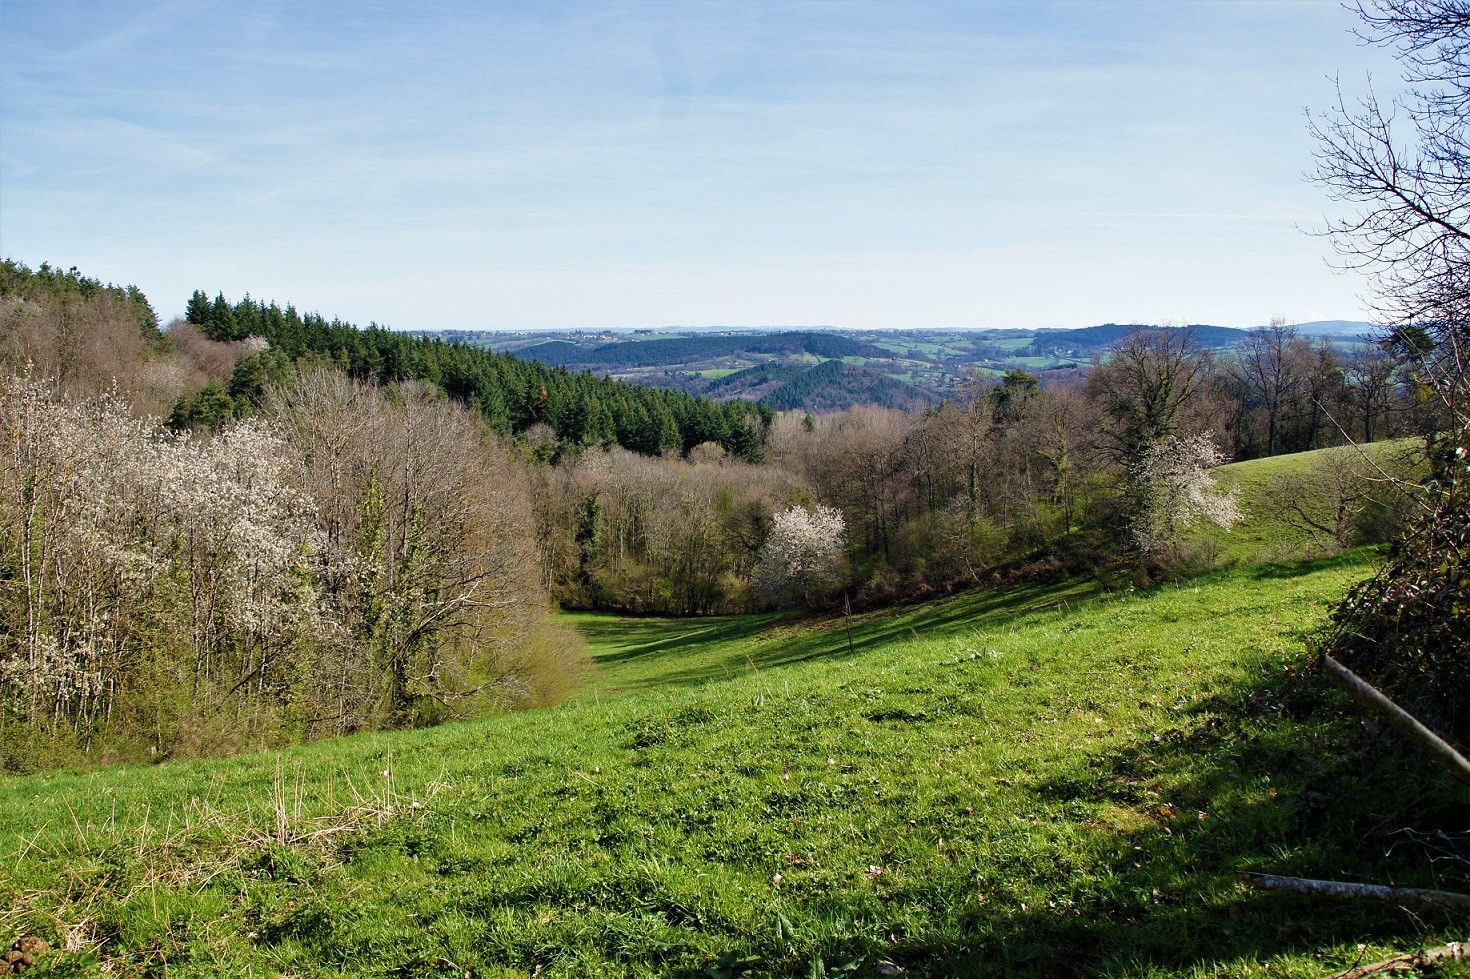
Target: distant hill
<point x="1338" y="328"/>
<point x="554" y="352"/>
<point x="833" y="386"/>
<point x="1093" y="338"/>
<point x="755" y="382"/>
<point x="684" y="350"/>
<point x="779" y="368"/>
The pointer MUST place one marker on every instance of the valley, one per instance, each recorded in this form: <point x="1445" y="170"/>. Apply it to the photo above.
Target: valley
<point x="830" y="369"/>
<point x="1057" y="779"/>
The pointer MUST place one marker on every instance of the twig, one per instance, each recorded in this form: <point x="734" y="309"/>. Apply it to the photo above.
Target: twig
<point x="1398" y="718"/>
<point x="1371" y="892"/>
<point x="847" y="618"/>
<point x="1454" y="952"/>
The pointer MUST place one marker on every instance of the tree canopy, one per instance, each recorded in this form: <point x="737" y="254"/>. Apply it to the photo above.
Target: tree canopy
<point x="512" y="394"/>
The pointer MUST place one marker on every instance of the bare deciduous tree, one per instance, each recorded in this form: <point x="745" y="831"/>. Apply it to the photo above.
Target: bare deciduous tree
<point x="1407" y="175"/>
<point x="1272" y="371"/>
<point x="1147" y="386"/>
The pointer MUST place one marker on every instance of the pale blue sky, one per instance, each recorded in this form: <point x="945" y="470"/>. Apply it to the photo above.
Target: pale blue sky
<point x="475" y="165"/>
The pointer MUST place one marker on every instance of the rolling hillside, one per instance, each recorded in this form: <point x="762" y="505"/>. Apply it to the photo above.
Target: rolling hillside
<point x="1293" y="503"/>
<point x="1053" y="781"/>
<point x="1086" y="341"/>
<point x="1063" y="779"/>
<point x="814" y="370"/>
<point x="682" y="350"/>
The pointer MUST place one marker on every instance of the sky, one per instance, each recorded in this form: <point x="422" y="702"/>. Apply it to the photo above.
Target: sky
<point x="445" y="165"/>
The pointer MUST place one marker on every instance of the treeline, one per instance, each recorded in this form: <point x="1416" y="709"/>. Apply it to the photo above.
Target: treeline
<point x="80" y="331"/>
<point x="1274" y="391"/>
<point x="1015" y="477"/>
<point x="659" y="535"/>
<point x="352" y="557"/>
<point x="1280" y="392"/>
<point x="511" y="394"/>
<point x="65" y="289"/>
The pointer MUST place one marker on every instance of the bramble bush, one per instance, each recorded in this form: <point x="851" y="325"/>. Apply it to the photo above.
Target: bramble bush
<point x="1407" y="629"/>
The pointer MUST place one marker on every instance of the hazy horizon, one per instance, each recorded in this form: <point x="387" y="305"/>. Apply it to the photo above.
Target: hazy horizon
<point x="540" y="166"/>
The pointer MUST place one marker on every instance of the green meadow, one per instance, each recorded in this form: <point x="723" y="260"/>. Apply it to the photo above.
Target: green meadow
<point x="1055" y="780"/>
<point x="1269" y="534"/>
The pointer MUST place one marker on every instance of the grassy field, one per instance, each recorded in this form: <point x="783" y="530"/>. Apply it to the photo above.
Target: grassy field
<point x="1054" y="781"/>
<point x="1269" y="534"/>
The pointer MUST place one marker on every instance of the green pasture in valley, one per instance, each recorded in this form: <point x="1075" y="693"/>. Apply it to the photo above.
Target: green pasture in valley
<point x="1051" y="781"/>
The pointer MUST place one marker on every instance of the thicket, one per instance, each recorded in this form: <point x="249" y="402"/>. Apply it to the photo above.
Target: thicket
<point x="351" y="557"/>
<point x="1408" y="627"/>
<point x="658" y="535"/>
<point x="359" y="560"/>
<point x="1407" y="172"/>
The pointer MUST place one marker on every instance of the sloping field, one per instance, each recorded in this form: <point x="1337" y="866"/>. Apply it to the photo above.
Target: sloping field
<point x="1044" y="783"/>
<point x="1291" y="502"/>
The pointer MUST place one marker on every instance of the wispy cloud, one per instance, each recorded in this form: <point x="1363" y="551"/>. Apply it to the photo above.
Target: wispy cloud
<point x="599" y="162"/>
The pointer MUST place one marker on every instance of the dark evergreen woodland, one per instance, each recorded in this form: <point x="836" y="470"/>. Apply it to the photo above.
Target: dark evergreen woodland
<point x="512" y="394"/>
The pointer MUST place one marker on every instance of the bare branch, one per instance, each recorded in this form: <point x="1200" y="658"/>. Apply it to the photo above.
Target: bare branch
<point x="1411" y="962"/>
<point x="1368" y="892"/>
<point x="1398" y="718"/>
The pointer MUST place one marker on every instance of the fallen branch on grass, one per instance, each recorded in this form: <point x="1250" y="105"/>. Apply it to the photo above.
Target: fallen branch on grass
<point x="1371" y="892"/>
<point x="1398" y="718"/>
<point x="1453" y="952"/>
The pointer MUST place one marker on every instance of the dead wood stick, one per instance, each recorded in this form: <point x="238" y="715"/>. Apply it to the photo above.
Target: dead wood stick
<point x="1453" y="952"/>
<point x="1398" y="718"/>
<point x="1372" y="892"/>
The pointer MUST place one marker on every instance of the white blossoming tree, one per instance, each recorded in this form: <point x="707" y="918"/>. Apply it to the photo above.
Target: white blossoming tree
<point x="153" y="572"/>
<point x="1174" y="487"/>
<point x="347" y="562"/>
<point x="802" y="558"/>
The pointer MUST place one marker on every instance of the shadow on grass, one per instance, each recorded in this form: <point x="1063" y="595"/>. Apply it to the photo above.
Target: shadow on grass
<point x="1281" y="571"/>
<point x="621" y="639"/>
<point x="644" y="653"/>
<point x="1273" y="778"/>
<point x="649" y="653"/>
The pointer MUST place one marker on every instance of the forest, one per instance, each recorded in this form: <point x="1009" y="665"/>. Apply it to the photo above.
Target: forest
<point x="254" y="526"/>
<point x="683" y="350"/>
